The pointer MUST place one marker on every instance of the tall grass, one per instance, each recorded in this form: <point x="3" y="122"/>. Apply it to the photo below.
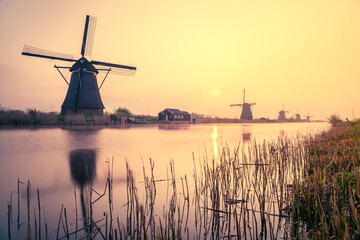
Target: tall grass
<point x="327" y="199"/>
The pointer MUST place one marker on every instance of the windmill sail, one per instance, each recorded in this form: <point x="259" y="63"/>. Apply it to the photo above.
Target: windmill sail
<point x="88" y="38"/>
<point x="116" y="68"/>
<point x="119" y="71"/>
<point x="38" y="52"/>
<point x="113" y="65"/>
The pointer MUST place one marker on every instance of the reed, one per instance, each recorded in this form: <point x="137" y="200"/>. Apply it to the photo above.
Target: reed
<point x="36" y="227"/>
<point x="39" y="209"/>
<point x="46" y="227"/>
<point x="28" y="199"/>
<point x="9" y="220"/>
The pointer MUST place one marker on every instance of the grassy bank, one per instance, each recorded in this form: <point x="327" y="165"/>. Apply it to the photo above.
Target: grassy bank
<point x="35" y="117"/>
<point x="326" y="198"/>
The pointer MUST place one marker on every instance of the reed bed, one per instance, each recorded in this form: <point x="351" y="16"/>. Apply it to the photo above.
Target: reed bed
<point x="326" y="200"/>
<point x="298" y="188"/>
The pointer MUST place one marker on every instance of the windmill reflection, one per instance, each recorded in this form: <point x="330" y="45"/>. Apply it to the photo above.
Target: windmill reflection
<point x="246" y="133"/>
<point x="83" y="172"/>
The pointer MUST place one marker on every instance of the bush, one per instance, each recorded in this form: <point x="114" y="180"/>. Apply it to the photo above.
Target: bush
<point x="33" y="115"/>
<point x="335" y="120"/>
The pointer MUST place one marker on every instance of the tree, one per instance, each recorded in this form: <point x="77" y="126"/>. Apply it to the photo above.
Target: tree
<point x="113" y="117"/>
<point x="122" y="111"/>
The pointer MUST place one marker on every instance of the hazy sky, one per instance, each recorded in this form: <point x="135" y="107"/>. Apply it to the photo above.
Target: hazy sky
<point x="304" y="54"/>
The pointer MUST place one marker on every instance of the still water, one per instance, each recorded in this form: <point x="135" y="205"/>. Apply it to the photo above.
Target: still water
<point x="52" y="159"/>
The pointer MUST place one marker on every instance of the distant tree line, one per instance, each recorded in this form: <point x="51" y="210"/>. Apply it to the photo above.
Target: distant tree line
<point x="199" y="115"/>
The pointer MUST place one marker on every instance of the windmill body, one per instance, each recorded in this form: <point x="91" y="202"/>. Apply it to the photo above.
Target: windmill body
<point x="282" y="115"/>
<point x="83" y="96"/>
<point x="246" y="113"/>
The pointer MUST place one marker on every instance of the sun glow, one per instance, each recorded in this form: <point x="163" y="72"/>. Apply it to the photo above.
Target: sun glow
<point x="216" y="92"/>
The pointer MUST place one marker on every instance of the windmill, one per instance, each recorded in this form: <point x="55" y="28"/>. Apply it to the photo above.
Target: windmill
<point x="308" y="117"/>
<point x="83" y="96"/>
<point x="297" y="116"/>
<point x="246" y="113"/>
<point x="282" y="114"/>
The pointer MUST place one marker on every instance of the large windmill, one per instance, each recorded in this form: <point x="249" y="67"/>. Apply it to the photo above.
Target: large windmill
<point x="246" y="113"/>
<point x="83" y="96"/>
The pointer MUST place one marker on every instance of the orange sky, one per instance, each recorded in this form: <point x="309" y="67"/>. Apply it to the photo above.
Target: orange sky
<point x="303" y="54"/>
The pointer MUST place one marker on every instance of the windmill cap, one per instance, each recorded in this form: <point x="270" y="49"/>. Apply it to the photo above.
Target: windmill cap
<point x="84" y="64"/>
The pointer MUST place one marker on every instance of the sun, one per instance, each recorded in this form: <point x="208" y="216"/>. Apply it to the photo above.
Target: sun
<point x="216" y="92"/>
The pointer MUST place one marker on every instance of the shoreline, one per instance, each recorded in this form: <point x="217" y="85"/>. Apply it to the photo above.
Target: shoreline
<point x="134" y="125"/>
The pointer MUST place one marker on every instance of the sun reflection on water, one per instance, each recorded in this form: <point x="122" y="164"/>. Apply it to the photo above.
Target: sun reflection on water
<point x="214" y="137"/>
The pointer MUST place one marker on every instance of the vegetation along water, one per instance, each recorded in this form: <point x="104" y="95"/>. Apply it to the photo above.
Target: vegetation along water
<point x="299" y="187"/>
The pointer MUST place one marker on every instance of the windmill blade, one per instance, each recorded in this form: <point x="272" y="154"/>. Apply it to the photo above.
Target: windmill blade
<point x="112" y="65"/>
<point x="88" y="38"/>
<point x="124" y="72"/>
<point x="235" y="105"/>
<point x="38" y="52"/>
<point x="244" y="96"/>
<point x="252" y="103"/>
<point x="118" y="71"/>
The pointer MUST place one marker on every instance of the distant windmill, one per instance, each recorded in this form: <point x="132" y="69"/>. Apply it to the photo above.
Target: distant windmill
<point x="246" y="113"/>
<point x="282" y="114"/>
<point x="308" y="117"/>
<point x="83" y="94"/>
<point x="297" y="116"/>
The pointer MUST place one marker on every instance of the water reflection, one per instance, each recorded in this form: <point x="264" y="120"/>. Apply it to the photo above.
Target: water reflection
<point x="246" y="133"/>
<point x="214" y="137"/>
<point x="174" y="126"/>
<point x="81" y="137"/>
<point x="281" y="133"/>
<point x="83" y="166"/>
<point x="83" y="173"/>
<point x="77" y="128"/>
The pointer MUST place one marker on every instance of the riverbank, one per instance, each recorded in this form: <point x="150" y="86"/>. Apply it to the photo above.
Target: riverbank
<point x="33" y="117"/>
<point x="121" y="116"/>
<point x="326" y="199"/>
